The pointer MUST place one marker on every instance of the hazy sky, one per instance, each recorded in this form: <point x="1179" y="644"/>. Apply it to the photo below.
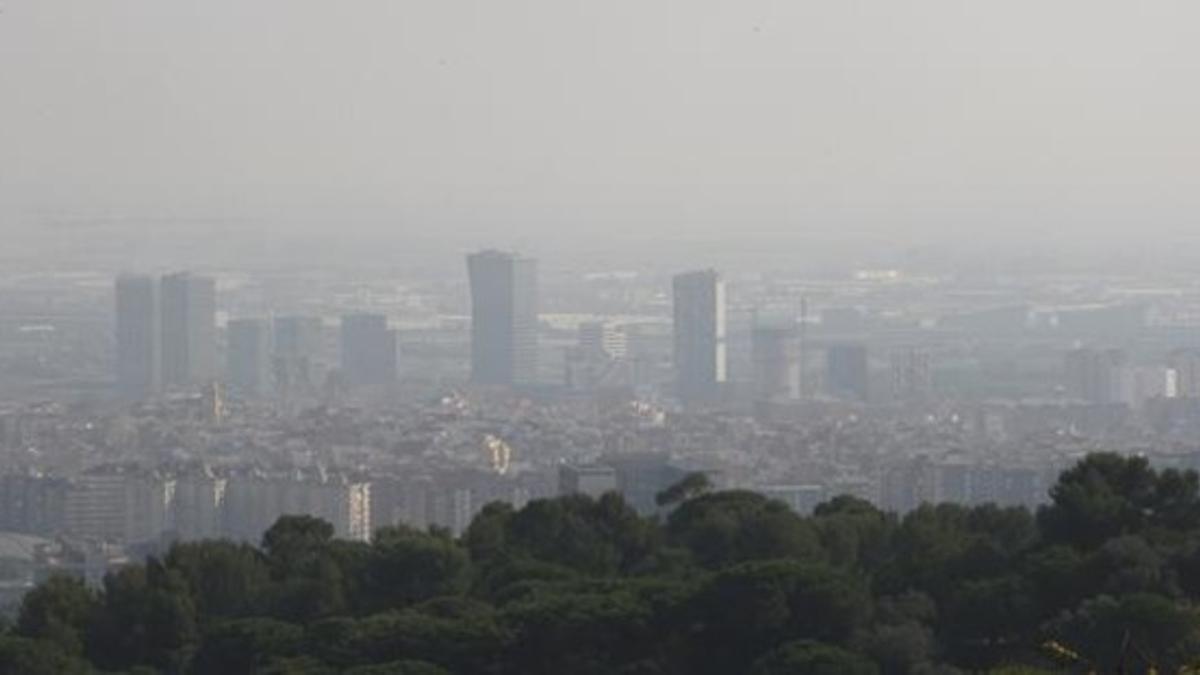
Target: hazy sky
<point x="694" y="117"/>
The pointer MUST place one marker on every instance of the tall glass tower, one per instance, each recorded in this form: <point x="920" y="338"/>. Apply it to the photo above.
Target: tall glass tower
<point x="189" y="332"/>
<point x="138" y="338"/>
<point x="504" y="318"/>
<point x="699" y="338"/>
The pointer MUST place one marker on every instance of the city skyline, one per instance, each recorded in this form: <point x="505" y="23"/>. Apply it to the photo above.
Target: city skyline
<point x="589" y="338"/>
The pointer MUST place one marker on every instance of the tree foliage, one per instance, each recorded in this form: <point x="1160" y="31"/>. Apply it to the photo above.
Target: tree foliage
<point x="58" y="612"/>
<point x="1105" y="577"/>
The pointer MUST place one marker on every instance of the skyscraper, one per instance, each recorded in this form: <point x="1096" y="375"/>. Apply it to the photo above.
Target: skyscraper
<point x="1094" y="375"/>
<point x="368" y="350"/>
<point x="189" y="341"/>
<point x="297" y="350"/>
<point x="775" y="347"/>
<point x="602" y="339"/>
<point x="138" y="338"/>
<point x="699" y="341"/>
<point x="249" y="356"/>
<point x="847" y="374"/>
<point x="1185" y="363"/>
<point x="912" y="376"/>
<point x="504" y="318"/>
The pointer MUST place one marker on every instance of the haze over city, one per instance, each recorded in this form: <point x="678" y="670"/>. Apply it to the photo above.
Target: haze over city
<point x="502" y="121"/>
<point x="399" y="337"/>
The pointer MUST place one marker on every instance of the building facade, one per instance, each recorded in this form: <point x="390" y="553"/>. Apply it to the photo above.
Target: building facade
<point x="368" y="350"/>
<point x="138" y="337"/>
<point x="249" y="357"/>
<point x="847" y="371"/>
<point x="189" y="341"/>
<point x="504" y="318"/>
<point x="296" y="351"/>
<point x="775" y="350"/>
<point x="699" y="353"/>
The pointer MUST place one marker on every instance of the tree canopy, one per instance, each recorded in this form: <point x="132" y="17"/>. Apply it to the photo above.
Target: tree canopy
<point x="1106" y="576"/>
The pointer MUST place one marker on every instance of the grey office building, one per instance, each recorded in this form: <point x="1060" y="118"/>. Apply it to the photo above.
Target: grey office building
<point x="775" y="350"/>
<point x="504" y="318"/>
<point x="699" y="336"/>
<point x="138" y="337"/>
<point x="189" y="341"/>
<point x="847" y="373"/>
<point x="368" y="350"/>
<point x="297" y="349"/>
<point x="249" y="356"/>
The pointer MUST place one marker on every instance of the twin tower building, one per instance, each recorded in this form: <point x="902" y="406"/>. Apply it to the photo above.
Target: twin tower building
<point x="166" y="333"/>
<point x="166" y="329"/>
<point x="504" y="326"/>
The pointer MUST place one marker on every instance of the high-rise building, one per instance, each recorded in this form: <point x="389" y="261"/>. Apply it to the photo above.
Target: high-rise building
<point x="912" y="378"/>
<point x="600" y="359"/>
<point x="368" y="350"/>
<point x="504" y="318"/>
<point x="249" y="356"/>
<point x="775" y="349"/>
<point x="601" y="339"/>
<point x="847" y="375"/>
<point x="699" y="338"/>
<point x="138" y="337"/>
<point x="1094" y="375"/>
<point x="297" y="350"/>
<point x="1137" y="385"/>
<point x="1106" y="376"/>
<point x="1185" y="364"/>
<point x="189" y="342"/>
